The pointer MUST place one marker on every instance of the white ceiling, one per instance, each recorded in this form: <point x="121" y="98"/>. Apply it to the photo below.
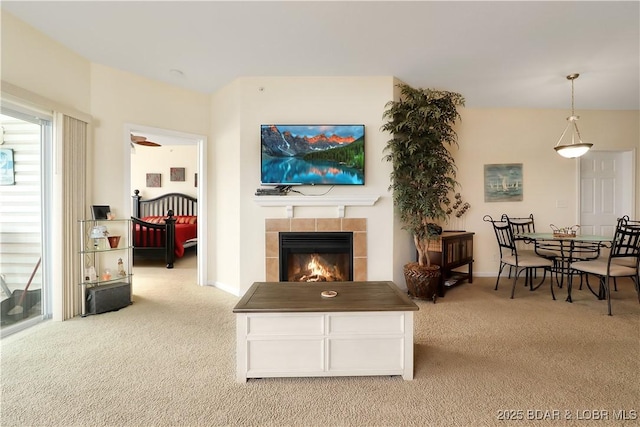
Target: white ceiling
<point x="497" y="54"/>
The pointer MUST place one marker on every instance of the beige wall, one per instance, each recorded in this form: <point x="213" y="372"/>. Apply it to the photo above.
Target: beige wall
<point x="225" y="188"/>
<point x="35" y="62"/>
<point x="316" y="100"/>
<point x="159" y="160"/>
<point x="118" y="98"/>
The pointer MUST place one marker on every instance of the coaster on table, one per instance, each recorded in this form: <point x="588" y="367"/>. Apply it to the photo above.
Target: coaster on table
<point x="328" y="294"/>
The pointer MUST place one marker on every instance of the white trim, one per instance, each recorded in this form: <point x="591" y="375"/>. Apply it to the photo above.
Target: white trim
<point x="226" y="288"/>
<point x="33" y="101"/>
<point x="352" y="200"/>
<point x="338" y="201"/>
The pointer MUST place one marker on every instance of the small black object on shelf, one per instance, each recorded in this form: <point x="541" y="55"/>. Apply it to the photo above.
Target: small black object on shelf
<point x="279" y="190"/>
<point x="100" y="211"/>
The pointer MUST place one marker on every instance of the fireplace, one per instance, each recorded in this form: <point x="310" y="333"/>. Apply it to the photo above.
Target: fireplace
<point x="316" y="256"/>
<point x="356" y="226"/>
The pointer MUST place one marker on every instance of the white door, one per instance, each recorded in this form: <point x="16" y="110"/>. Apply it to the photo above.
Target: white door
<point x="606" y="190"/>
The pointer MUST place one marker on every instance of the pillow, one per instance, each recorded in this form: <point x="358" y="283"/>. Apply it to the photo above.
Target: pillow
<point x="186" y="219"/>
<point x="154" y="219"/>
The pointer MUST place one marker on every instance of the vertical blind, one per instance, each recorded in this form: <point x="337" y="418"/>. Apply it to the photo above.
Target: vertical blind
<point x="73" y="161"/>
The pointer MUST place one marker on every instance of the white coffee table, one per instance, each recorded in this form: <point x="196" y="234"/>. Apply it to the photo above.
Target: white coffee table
<point x="287" y="329"/>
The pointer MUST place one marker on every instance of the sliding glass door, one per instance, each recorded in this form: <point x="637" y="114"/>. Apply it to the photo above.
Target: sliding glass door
<point x="25" y="141"/>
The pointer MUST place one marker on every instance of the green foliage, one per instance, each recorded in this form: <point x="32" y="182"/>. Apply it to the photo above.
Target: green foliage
<point x="424" y="172"/>
<point x="351" y="155"/>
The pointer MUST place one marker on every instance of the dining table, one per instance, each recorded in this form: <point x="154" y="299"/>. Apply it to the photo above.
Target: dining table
<point x="563" y="250"/>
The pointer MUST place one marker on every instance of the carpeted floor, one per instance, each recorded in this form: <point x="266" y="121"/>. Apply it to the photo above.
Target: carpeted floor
<point x="169" y="360"/>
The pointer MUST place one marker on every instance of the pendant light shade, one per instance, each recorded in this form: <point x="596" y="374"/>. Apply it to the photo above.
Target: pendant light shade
<point x="576" y="147"/>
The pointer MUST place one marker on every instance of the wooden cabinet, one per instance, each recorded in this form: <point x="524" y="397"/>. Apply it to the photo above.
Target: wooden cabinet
<point x="452" y="250"/>
<point x="106" y="265"/>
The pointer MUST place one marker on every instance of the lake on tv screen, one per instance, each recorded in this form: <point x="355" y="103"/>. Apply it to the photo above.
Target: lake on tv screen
<point x="297" y="171"/>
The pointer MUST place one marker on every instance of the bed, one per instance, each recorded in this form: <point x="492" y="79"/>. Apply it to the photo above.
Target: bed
<point x="164" y="227"/>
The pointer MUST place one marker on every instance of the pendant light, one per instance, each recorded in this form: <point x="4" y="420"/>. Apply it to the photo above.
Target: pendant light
<point x="573" y="149"/>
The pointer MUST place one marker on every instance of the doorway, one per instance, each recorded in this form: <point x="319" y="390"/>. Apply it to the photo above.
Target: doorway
<point x="195" y="174"/>
<point x="607" y="190"/>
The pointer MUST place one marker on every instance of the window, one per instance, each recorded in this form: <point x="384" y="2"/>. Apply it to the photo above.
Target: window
<point x="24" y="138"/>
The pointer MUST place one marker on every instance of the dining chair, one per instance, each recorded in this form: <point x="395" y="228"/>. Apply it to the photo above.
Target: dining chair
<point x="521" y="225"/>
<point x="584" y="251"/>
<point x="557" y="251"/>
<point x="524" y="225"/>
<point x="510" y="256"/>
<point x="628" y="261"/>
<point x="625" y="245"/>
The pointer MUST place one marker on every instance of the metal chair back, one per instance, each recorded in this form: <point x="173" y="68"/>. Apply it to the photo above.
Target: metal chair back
<point x="504" y="235"/>
<point x="628" y="222"/>
<point x="626" y="242"/>
<point x="520" y="225"/>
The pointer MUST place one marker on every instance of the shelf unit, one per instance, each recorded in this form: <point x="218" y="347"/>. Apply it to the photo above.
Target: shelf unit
<point x="105" y="284"/>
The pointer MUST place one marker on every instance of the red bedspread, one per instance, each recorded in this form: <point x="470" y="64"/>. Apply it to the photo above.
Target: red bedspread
<point x="184" y="232"/>
<point x="153" y="237"/>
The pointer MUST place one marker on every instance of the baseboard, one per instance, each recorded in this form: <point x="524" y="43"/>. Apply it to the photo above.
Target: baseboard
<point x="227" y="288"/>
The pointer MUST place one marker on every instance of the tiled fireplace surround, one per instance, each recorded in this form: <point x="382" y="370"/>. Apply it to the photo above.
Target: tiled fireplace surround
<point x="356" y="225"/>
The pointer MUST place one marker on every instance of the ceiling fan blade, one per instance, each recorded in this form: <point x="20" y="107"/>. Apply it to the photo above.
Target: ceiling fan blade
<point x="147" y="143"/>
<point x="142" y="140"/>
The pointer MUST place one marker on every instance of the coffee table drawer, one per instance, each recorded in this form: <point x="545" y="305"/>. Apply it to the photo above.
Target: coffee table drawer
<point x="285" y="324"/>
<point x="365" y="323"/>
<point x="267" y="357"/>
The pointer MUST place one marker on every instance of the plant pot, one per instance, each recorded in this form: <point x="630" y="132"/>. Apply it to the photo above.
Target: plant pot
<point x="422" y="282"/>
<point x="113" y="241"/>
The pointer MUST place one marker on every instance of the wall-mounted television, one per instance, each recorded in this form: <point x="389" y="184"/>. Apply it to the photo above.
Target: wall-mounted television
<point x="312" y="154"/>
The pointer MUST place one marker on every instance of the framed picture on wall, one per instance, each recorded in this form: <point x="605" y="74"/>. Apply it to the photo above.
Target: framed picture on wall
<point x="7" y="171"/>
<point x="503" y="182"/>
<point x="176" y="174"/>
<point x="154" y="180"/>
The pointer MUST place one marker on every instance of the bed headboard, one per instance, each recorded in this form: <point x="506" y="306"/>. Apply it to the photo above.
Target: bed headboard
<point x="180" y="204"/>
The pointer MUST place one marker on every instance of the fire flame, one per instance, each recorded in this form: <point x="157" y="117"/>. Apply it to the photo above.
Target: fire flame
<point x="317" y="269"/>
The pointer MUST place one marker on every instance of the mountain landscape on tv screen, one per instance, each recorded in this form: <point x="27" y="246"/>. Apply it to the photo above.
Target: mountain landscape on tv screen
<point x="312" y="154"/>
<point x="285" y="144"/>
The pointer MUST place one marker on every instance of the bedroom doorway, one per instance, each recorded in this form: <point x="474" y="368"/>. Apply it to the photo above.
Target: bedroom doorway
<point x="174" y="162"/>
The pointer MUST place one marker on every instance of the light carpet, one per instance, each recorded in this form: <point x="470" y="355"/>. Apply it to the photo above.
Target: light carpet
<point x="169" y="360"/>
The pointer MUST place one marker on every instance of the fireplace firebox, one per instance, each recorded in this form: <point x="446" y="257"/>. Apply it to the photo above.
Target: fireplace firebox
<point x="316" y="256"/>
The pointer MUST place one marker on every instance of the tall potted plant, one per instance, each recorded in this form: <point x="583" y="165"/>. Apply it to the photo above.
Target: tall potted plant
<point x="424" y="173"/>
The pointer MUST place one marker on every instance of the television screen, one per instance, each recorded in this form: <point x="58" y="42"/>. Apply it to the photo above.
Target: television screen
<point x="312" y="154"/>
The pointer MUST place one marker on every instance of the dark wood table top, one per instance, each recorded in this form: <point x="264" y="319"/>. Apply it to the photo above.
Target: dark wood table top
<point x="292" y="297"/>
